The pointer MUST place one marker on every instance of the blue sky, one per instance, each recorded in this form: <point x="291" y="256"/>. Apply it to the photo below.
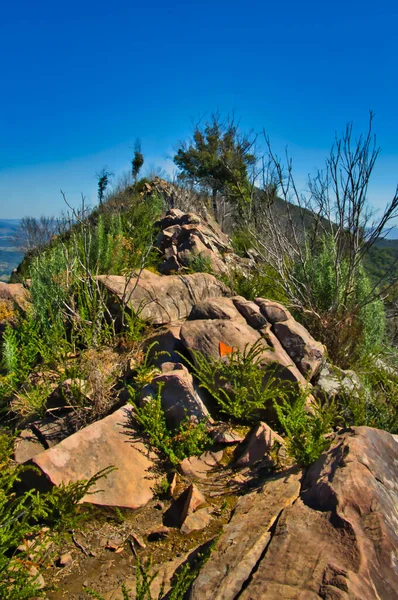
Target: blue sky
<point x="81" y="80"/>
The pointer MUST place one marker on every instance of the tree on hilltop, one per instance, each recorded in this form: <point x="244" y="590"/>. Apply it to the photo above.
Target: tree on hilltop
<point x="137" y="161"/>
<point x="218" y="159"/>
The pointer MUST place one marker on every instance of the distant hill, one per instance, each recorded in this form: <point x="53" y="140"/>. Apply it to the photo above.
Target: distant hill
<point x="10" y="257"/>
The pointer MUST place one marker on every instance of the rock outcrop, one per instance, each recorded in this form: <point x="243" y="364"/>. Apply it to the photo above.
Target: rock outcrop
<point x="337" y="538"/>
<point x="160" y="299"/>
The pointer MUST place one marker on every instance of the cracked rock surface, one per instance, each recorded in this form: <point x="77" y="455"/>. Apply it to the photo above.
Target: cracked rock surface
<point x="336" y="539"/>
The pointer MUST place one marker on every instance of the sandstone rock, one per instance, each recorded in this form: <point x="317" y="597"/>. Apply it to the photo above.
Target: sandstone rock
<point x="251" y="312"/>
<point x="340" y="539"/>
<point x="180" y="399"/>
<point x="222" y="433"/>
<point x="166" y="343"/>
<point x="15" y="292"/>
<point x="196" y="521"/>
<point x="161" y="299"/>
<point x="205" y="336"/>
<point x="273" y="311"/>
<point x="27" y="445"/>
<point x="216" y="308"/>
<point x="301" y="347"/>
<point x="198" y="467"/>
<point x="258" y="445"/>
<point x="187" y="503"/>
<point x="113" y="441"/>
<point x="244" y="540"/>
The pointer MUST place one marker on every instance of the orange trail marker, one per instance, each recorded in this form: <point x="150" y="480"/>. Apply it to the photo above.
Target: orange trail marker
<point x="225" y="349"/>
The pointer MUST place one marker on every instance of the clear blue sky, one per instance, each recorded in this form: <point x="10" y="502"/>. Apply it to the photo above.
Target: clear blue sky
<point x="81" y="80"/>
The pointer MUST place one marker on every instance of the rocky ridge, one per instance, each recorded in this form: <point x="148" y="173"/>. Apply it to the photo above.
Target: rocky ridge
<point x="330" y="532"/>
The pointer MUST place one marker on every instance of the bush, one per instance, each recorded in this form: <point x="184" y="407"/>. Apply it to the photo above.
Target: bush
<point x="375" y="401"/>
<point x="259" y="281"/>
<point x="237" y="382"/>
<point x="187" y="440"/>
<point x="345" y="321"/>
<point x="305" y="428"/>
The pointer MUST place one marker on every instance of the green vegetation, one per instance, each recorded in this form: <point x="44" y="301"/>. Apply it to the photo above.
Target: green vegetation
<point x="237" y="382"/>
<point x="218" y="159"/>
<point x="305" y="427"/>
<point x="317" y="255"/>
<point x="187" y="440"/>
<point x="22" y="517"/>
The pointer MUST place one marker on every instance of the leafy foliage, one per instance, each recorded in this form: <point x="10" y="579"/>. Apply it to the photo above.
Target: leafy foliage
<point x="305" y="427"/>
<point x="217" y="158"/>
<point x="187" y="440"/>
<point x="345" y="321"/>
<point x="374" y="402"/>
<point x="237" y="382"/>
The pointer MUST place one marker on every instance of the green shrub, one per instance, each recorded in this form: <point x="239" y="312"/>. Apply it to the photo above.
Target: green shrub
<point x="200" y="264"/>
<point x="375" y="401"/>
<point x="305" y="428"/>
<point x="339" y="313"/>
<point x="237" y="382"/>
<point x="187" y="440"/>
<point x="259" y="281"/>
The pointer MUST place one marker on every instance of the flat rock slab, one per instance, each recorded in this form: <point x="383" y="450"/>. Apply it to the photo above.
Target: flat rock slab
<point x="113" y="441"/>
<point x="244" y="540"/>
<point x="161" y="299"/>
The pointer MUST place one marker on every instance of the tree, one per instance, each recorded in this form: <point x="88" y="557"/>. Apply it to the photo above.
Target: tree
<point x="217" y="159"/>
<point x="33" y="234"/>
<point x="316" y="241"/>
<point x="137" y="161"/>
<point x="103" y="180"/>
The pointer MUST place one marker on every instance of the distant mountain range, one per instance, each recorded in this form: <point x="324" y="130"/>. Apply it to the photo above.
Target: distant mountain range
<point x="10" y="257"/>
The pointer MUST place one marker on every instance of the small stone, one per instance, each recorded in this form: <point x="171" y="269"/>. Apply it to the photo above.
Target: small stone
<point x="159" y="506"/>
<point x="65" y="560"/>
<point x="196" y="521"/>
<point x="137" y="539"/>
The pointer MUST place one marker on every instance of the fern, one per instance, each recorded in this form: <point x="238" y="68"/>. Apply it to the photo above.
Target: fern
<point x="238" y="382"/>
<point x="305" y="427"/>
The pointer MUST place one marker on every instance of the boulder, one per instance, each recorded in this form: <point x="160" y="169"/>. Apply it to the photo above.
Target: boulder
<point x="26" y="446"/>
<point x="16" y="293"/>
<point x="197" y="521"/>
<point x="340" y="539"/>
<point x="113" y="441"/>
<point x="186" y="504"/>
<point x="205" y="336"/>
<point x="216" y="308"/>
<point x="274" y="312"/>
<point x="180" y="398"/>
<point x="251" y="312"/>
<point x="258" y="445"/>
<point x="198" y="467"/>
<point x="306" y="352"/>
<point x="160" y="299"/>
